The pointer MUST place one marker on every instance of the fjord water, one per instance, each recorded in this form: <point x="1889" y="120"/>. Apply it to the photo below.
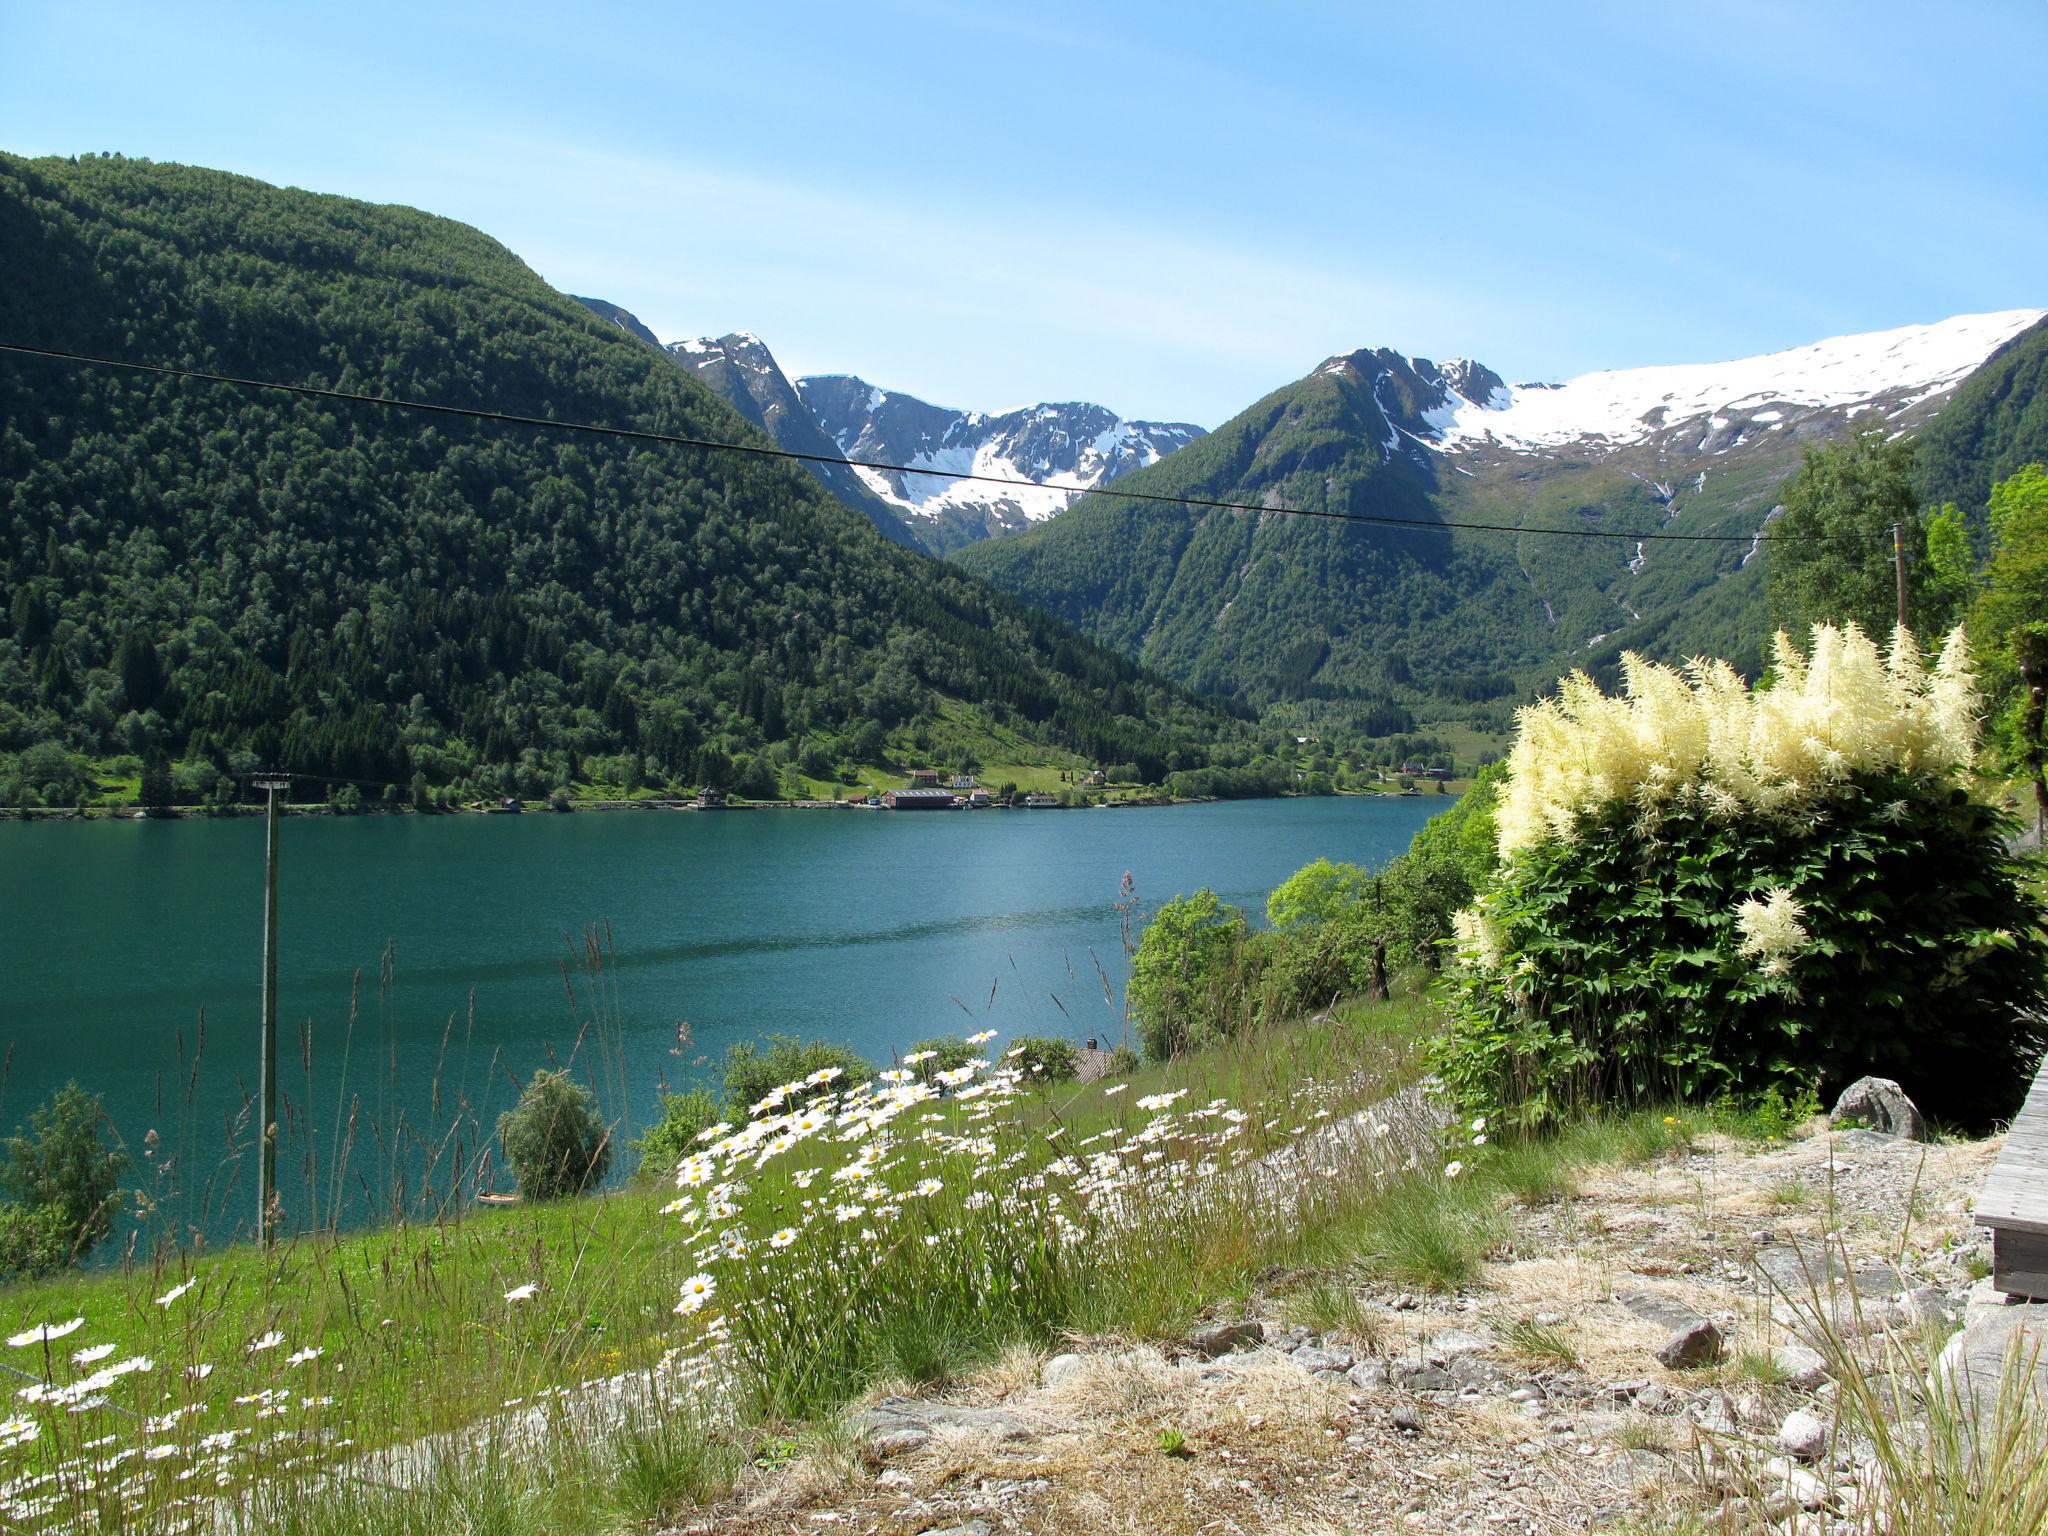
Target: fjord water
<point x="870" y="928"/>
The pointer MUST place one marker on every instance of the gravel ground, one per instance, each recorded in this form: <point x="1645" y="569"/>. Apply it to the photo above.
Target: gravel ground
<point x="1631" y="1351"/>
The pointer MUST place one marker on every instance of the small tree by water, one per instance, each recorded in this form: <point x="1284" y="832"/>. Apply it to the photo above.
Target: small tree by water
<point x="554" y="1140"/>
<point x="65" y="1180"/>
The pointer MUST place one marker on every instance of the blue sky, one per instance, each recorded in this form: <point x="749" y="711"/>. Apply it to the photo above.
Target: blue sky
<point x="1168" y="208"/>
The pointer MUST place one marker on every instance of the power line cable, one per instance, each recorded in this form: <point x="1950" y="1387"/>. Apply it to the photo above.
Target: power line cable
<point x="671" y="439"/>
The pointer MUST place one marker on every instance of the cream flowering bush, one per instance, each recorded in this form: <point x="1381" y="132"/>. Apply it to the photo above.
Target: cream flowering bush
<point x="1709" y="888"/>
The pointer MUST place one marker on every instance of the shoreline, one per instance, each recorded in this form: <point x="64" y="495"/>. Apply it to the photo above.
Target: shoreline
<point x="31" y="814"/>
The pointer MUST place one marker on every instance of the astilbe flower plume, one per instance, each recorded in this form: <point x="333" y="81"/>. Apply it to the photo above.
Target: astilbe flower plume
<point x="1701" y="734"/>
<point x="1771" y="930"/>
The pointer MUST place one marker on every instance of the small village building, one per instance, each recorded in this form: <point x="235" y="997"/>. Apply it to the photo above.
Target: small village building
<point x="918" y="799"/>
<point x="710" y="799"/>
<point x="924" y="778"/>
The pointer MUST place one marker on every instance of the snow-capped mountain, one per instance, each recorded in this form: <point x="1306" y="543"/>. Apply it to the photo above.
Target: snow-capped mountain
<point x="1693" y="409"/>
<point x="741" y="368"/>
<point x="1069" y="447"/>
<point x="1655" y="482"/>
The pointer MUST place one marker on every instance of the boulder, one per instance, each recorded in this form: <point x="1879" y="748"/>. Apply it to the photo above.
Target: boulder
<point x="1222" y="1338"/>
<point x="1693" y="1340"/>
<point x="1804" y="1368"/>
<point x="1802" y="1436"/>
<point x="898" y="1424"/>
<point x="1697" y="1344"/>
<point x="1882" y="1105"/>
<point x="2001" y="1353"/>
<point x="1453" y="1344"/>
<point x="1319" y="1361"/>
<point x="1367" y="1374"/>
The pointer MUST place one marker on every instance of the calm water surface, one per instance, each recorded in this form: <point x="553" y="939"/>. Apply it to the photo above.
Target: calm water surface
<point x="872" y="928"/>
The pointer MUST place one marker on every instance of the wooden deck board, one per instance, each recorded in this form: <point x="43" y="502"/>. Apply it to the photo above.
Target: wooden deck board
<point x="2015" y="1197"/>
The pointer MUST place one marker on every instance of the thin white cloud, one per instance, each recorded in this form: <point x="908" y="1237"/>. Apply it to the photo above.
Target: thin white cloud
<point x="920" y="294"/>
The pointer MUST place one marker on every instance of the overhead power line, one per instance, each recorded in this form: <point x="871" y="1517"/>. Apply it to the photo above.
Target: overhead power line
<point x="766" y="451"/>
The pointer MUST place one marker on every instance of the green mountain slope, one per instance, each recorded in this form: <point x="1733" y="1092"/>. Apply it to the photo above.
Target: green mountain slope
<point x="1996" y="423"/>
<point x="1276" y="608"/>
<point x="1557" y="525"/>
<point x="201" y="573"/>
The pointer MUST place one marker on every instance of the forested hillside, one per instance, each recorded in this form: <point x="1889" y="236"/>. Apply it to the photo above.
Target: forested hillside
<point x="1278" y="607"/>
<point x="1996" y="423"/>
<point x="220" y="578"/>
<point x="1555" y="525"/>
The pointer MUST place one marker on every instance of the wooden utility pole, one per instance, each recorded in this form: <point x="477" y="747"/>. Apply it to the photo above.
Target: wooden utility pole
<point x="266" y="1176"/>
<point x="1899" y="565"/>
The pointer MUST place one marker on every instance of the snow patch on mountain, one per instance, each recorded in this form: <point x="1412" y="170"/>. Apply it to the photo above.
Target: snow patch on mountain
<point x="1066" y="448"/>
<point x="1890" y="370"/>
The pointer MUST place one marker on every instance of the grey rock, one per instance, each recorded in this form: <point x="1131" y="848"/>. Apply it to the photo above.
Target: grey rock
<point x="971" y="1528"/>
<point x="1976" y="1359"/>
<point x="893" y="1442"/>
<point x="1655" y="1397"/>
<point x="1453" y="1344"/>
<point x="1801" y="1271"/>
<point x="1406" y="1418"/>
<point x="1471" y="1371"/>
<point x="1663" y="1310"/>
<point x="1881" y="1105"/>
<point x="1222" y="1338"/>
<point x="1794" y="1486"/>
<point x="1367" y="1374"/>
<point x="1697" y="1344"/>
<point x="1431" y="1378"/>
<point x="1710" y="1412"/>
<point x="1309" y="1358"/>
<point x="1928" y="1303"/>
<point x="898" y="1424"/>
<point x="1805" y="1369"/>
<point x="1058" y="1369"/>
<point x="1802" y="1436"/>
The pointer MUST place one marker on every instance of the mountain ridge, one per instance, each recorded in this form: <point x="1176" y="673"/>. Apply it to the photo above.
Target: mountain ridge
<point x="225" y="579"/>
<point x="1067" y="447"/>
<point x="1440" y="618"/>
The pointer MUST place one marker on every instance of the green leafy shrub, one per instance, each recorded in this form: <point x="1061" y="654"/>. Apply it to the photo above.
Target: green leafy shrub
<point x="1708" y="892"/>
<point x="752" y="1073"/>
<point x="1123" y="1061"/>
<point x="1316" y="894"/>
<point x="1045" y="1058"/>
<point x="63" y="1171"/>
<point x="554" y="1140"/>
<point x="1188" y="977"/>
<point x="665" y="1143"/>
<point x="35" y="1240"/>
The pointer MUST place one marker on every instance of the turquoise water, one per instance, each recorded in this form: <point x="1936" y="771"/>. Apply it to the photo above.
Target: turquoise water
<point x="462" y="941"/>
